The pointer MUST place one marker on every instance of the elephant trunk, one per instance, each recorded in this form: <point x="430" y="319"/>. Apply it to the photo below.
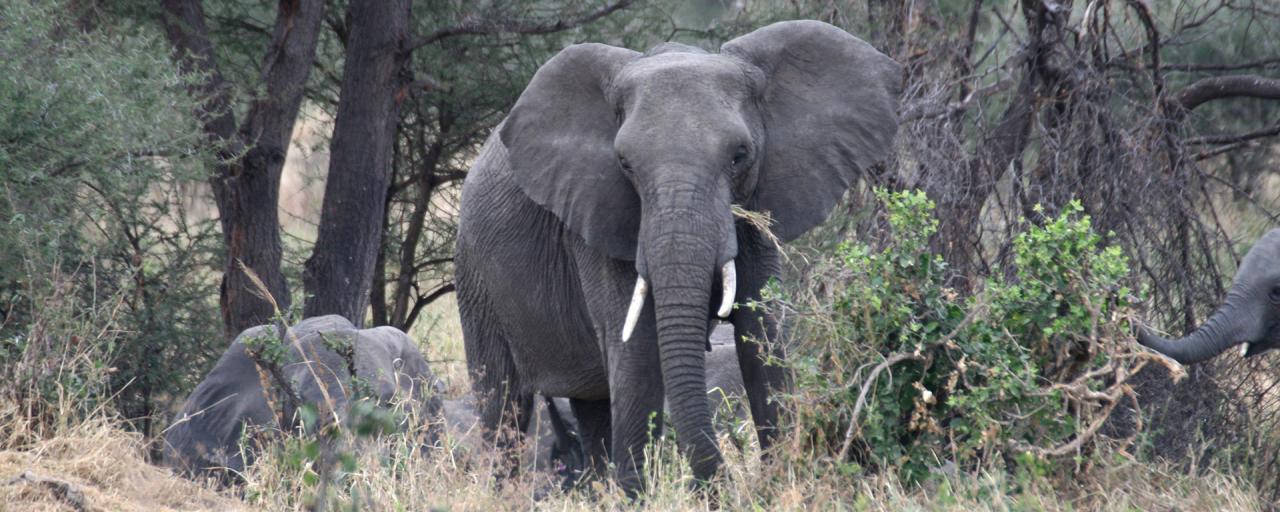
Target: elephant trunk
<point x="1227" y="327"/>
<point x="683" y="251"/>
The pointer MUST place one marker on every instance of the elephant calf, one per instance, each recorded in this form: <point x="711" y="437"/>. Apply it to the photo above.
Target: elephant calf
<point x="1250" y="315"/>
<point x="205" y="437"/>
<point x="552" y="438"/>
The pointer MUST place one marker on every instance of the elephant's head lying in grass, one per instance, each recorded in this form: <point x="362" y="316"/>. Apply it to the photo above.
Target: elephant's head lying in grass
<point x="1250" y="315"/>
<point x="205" y="437"/>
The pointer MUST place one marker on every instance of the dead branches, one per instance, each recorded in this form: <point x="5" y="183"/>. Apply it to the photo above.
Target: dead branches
<point x="1220" y="87"/>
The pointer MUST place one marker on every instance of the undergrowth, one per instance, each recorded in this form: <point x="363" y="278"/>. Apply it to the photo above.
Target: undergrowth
<point x="896" y="371"/>
<point x="908" y="395"/>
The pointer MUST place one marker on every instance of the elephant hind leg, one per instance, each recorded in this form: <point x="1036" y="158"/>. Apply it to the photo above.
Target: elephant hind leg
<point x="594" y="427"/>
<point x="503" y="406"/>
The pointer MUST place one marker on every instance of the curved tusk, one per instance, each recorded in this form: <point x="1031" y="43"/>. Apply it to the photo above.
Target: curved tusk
<point x="633" y="311"/>
<point x="728" y="288"/>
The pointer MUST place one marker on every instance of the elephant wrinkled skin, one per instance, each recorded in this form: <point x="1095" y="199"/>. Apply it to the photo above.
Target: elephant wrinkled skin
<point x="596" y="237"/>
<point x="205" y="437"/>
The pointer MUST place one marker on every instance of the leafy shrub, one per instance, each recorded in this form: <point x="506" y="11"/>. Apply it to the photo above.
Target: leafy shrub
<point x="99" y="151"/>
<point x="899" y="371"/>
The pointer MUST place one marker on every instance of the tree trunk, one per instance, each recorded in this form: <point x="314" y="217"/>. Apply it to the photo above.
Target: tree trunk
<point x="246" y="184"/>
<point x="339" y="273"/>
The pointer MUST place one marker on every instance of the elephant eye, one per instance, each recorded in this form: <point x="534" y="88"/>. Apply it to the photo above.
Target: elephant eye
<point x="622" y="162"/>
<point x="1275" y="294"/>
<point x="740" y="155"/>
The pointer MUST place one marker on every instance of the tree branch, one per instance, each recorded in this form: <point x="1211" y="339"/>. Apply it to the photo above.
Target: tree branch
<point x="475" y="26"/>
<point x="1220" y="87"/>
<point x="1261" y="63"/>
<point x="1238" y="137"/>
<point x="423" y="301"/>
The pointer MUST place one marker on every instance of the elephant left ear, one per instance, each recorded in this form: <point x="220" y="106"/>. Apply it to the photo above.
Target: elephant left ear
<point x="830" y="110"/>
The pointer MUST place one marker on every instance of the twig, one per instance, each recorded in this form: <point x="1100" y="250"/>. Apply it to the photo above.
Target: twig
<point x="862" y="398"/>
<point x="1271" y="131"/>
<point x="474" y="26"/>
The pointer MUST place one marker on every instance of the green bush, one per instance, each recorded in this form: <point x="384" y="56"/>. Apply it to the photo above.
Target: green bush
<point x="100" y="157"/>
<point x="897" y="370"/>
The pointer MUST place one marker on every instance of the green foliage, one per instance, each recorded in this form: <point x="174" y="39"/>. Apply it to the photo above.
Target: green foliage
<point x="98" y="151"/>
<point x="975" y="379"/>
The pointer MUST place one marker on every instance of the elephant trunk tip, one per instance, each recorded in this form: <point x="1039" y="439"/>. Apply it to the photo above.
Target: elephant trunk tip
<point x="1187" y="350"/>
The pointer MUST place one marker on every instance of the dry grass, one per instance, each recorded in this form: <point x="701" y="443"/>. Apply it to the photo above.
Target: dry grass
<point x="108" y="466"/>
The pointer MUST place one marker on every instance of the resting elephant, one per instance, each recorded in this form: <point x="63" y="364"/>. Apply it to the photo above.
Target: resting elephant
<point x="1250" y="315"/>
<point x="205" y="437"/>
<point x="596" y="236"/>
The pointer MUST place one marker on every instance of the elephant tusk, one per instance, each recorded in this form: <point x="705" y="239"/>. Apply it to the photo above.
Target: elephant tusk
<point x="1244" y="349"/>
<point x="633" y="311"/>
<point x="728" y="289"/>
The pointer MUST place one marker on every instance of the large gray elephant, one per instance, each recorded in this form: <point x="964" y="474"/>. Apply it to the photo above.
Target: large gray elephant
<point x="1250" y="315"/>
<point x="596" y="236"/>
<point x="205" y="437"/>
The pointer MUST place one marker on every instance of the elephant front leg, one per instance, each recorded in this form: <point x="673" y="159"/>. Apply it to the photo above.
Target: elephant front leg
<point x="758" y="260"/>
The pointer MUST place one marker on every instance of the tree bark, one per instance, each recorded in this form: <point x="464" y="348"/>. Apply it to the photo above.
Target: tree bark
<point x="339" y="273"/>
<point x="246" y="184"/>
<point x="1219" y="87"/>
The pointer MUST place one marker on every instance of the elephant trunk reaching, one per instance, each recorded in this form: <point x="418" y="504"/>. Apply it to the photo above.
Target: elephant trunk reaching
<point x="1231" y="324"/>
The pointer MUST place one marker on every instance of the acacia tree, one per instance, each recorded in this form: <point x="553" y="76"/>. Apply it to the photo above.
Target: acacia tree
<point x="340" y="271"/>
<point x="1012" y="109"/>
<point x="443" y="82"/>
<point x="246" y="181"/>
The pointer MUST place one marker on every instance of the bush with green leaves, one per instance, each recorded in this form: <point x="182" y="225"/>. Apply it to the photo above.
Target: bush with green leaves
<point x="100" y="161"/>
<point x="896" y="370"/>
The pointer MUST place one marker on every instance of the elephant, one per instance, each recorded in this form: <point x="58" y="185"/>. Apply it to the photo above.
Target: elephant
<point x="725" y="389"/>
<point x="554" y="435"/>
<point x="1249" y="317"/>
<point x="205" y="437"/>
<point x="597" y="233"/>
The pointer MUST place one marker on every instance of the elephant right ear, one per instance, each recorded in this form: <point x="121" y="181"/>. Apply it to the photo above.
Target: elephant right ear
<point x="559" y="139"/>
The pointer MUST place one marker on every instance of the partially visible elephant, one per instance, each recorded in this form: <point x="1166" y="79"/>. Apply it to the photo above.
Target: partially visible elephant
<point x="553" y="439"/>
<point x="205" y="437"/>
<point x="597" y="237"/>
<point x="725" y="390"/>
<point x="1249" y="316"/>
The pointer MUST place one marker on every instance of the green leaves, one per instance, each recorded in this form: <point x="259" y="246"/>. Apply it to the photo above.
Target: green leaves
<point x="986" y="366"/>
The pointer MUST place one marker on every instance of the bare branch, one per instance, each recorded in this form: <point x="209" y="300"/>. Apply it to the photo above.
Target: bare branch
<point x="862" y="398"/>
<point x="1261" y="63"/>
<point x="1271" y="131"/>
<point x="474" y="26"/>
<point x="1220" y="87"/>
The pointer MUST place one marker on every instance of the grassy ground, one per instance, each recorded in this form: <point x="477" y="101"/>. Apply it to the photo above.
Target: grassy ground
<point x="105" y="469"/>
<point x="95" y="464"/>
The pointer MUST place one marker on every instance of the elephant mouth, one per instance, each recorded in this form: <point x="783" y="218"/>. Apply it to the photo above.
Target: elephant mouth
<point x="1250" y="349"/>
<point x="1268" y="342"/>
<point x="728" y="290"/>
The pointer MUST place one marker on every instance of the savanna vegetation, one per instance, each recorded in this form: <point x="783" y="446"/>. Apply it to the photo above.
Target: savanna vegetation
<point x="960" y="331"/>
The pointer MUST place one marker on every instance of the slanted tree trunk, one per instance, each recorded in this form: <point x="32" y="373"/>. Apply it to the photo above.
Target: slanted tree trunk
<point x="246" y="184"/>
<point x="339" y="273"/>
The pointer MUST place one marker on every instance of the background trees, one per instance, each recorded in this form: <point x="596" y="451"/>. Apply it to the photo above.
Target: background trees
<point x="144" y="148"/>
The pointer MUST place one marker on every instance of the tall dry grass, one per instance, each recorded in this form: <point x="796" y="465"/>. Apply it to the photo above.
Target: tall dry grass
<point x="62" y="448"/>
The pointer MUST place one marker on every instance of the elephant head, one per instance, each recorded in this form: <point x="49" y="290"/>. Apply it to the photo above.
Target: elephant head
<point x="642" y="156"/>
<point x="1250" y="315"/>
